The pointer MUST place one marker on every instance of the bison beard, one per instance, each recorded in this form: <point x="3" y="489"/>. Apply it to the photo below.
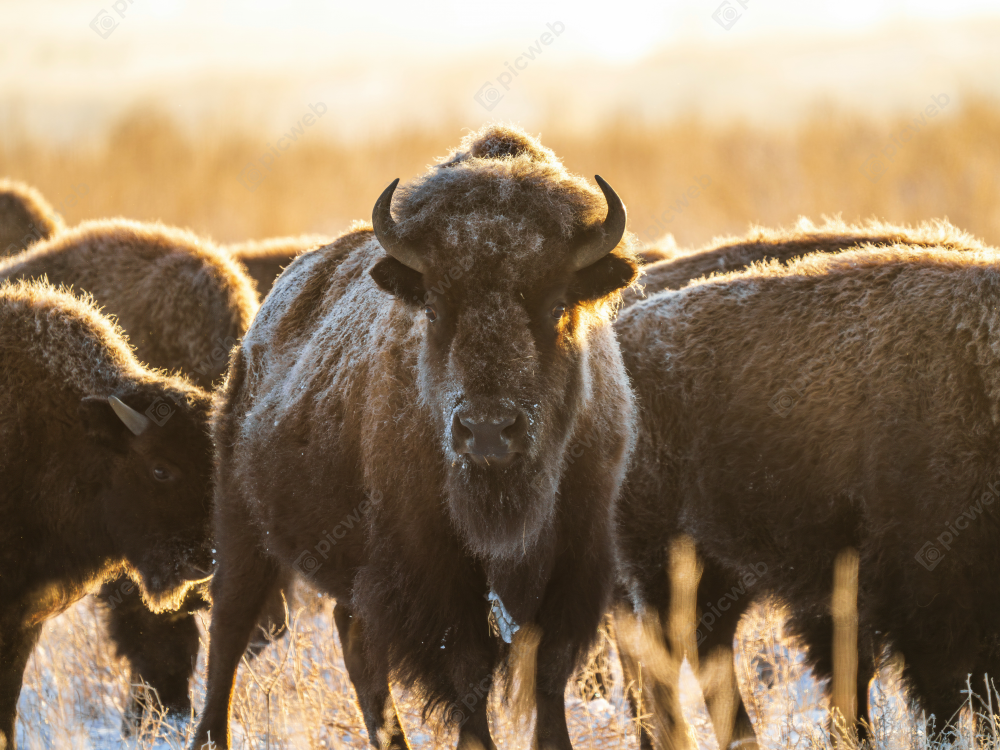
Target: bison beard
<point x="485" y="308"/>
<point x="501" y="513"/>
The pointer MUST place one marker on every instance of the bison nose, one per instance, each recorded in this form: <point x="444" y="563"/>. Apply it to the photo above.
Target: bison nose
<point x="491" y="441"/>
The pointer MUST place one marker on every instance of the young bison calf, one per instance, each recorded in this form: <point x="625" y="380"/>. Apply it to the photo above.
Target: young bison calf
<point x="105" y="468"/>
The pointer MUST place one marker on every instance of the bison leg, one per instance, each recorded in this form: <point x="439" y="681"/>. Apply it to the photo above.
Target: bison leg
<point x="161" y="649"/>
<point x="378" y="710"/>
<point x="16" y="645"/>
<point x="273" y="621"/>
<point x="716" y="589"/>
<point x="650" y="695"/>
<point x="241" y="588"/>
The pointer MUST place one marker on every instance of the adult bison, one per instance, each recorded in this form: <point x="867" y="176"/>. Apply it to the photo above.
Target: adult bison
<point x="90" y="484"/>
<point x="678" y="268"/>
<point x="25" y="217"/>
<point x="846" y="400"/>
<point x="669" y="268"/>
<point x="442" y="374"/>
<point x="183" y="304"/>
<point x="264" y="260"/>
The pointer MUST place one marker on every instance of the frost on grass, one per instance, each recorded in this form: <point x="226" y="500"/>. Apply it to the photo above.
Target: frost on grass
<point x="297" y="695"/>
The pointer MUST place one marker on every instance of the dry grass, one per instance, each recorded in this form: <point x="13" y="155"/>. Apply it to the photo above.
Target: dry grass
<point x="149" y="170"/>
<point x="298" y="695"/>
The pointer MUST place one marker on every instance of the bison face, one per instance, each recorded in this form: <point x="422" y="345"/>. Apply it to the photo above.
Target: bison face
<point x="504" y="365"/>
<point x="155" y="487"/>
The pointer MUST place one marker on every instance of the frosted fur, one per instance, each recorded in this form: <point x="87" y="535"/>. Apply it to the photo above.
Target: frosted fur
<point x="25" y="217"/>
<point x="344" y="396"/>
<point x="182" y="301"/>
<point x="670" y="268"/>
<point x="265" y="259"/>
<point x="845" y="399"/>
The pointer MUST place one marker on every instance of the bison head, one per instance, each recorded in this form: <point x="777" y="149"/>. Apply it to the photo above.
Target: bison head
<point x="155" y="464"/>
<point x="511" y="267"/>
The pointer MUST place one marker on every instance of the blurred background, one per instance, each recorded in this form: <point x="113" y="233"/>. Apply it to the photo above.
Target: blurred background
<point x="251" y="119"/>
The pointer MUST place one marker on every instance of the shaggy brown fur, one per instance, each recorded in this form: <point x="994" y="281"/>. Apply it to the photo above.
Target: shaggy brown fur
<point x="678" y="267"/>
<point x="264" y="260"/>
<point x="25" y="217"/>
<point x="183" y="304"/>
<point x="843" y="400"/>
<point x="81" y="496"/>
<point x="342" y="424"/>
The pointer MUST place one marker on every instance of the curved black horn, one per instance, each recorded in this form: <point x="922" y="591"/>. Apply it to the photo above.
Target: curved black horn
<point x="612" y="230"/>
<point x="385" y="231"/>
<point x="137" y="423"/>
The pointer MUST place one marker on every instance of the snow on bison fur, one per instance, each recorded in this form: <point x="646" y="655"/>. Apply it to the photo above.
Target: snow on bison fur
<point x="25" y="217"/>
<point x="669" y="268"/>
<point x="438" y="378"/>
<point x="843" y="400"/>
<point x="183" y="304"/>
<point x="264" y="260"/>
<point x="90" y="486"/>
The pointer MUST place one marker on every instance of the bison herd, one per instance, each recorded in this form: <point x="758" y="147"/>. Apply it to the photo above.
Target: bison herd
<point x="481" y="423"/>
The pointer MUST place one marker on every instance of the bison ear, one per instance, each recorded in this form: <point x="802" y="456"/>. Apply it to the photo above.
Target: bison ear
<point x="600" y="279"/>
<point x="401" y="281"/>
<point x="102" y="425"/>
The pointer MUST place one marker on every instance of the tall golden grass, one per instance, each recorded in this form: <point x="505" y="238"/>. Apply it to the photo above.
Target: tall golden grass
<point x="695" y="179"/>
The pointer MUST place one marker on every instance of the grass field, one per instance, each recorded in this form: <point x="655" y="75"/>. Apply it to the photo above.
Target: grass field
<point x="691" y="179"/>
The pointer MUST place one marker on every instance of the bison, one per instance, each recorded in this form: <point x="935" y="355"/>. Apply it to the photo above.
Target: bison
<point x="92" y="482"/>
<point x="843" y="400"/>
<point x="25" y="217"/>
<point x="438" y="376"/>
<point x="183" y="305"/>
<point x="265" y="259"/>
<point x="669" y="268"/>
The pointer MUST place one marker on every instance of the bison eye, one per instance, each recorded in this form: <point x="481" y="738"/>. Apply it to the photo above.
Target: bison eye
<point x="558" y="311"/>
<point x="161" y="475"/>
<point x="431" y="313"/>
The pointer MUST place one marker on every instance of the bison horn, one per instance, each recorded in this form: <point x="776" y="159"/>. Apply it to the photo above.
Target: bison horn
<point x="385" y="232"/>
<point x="136" y="422"/>
<point x="612" y="229"/>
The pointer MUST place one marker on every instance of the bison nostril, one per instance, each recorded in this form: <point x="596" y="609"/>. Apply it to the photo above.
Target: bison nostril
<point x="495" y="437"/>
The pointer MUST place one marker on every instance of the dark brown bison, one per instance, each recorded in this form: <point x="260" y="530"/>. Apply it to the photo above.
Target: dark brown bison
<point x="669" y="268"/>
<point x="843" y="400"/>
<point x="183" y="305"/>
<point x="264" y="260"/>
<point x="92" y="482"/>
<point x="448" y="388"/>
<point x="25" y="217"/>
